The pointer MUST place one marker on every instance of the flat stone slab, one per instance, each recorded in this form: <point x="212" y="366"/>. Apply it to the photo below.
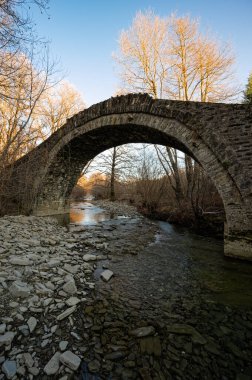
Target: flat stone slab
<point x="7" y="338"/>
<point x="20" y="289"/>
<point x="71" y="268"/>
<point x="143" y="331"/>
<point x="72" y="301"/>
<point x="70" y="287"/>
<point x="66" y="313"/>
<point x="63" y="345"/>
<point x="32" y="323"/>
<point x="70" y="360"/>
<point x="89" y="257"/>
<point x="20" y="261"/>
<point x="52" y="367"/>
<point x="106" y="275"/>
<point x="9" y="368"/>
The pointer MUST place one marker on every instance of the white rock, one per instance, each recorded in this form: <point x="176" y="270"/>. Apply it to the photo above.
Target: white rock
<point x="71" y="268"/>
<point x="52" y="366"/>
<point x="70" y="287"/>
<point x="7" y="338"/>
<point x="32" y="323"/>
<point x="70" y="360"/>
<point x="9" y="368"/>
<point x="20" y="261"/>
<point x="63" y="345"/>
<point x="53" y="263"/>
<point x="89" y="257"/>
<point x="66" y="313"/>
<point x="72" y="301"/>
<point x="20" y="289"/>
<point x="106" y="275"/>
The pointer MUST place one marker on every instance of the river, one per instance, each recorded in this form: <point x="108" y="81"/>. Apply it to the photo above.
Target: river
<point x="198" y="302"/>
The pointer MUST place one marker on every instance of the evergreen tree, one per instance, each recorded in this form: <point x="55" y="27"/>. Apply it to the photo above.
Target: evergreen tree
<point x="247" y="95"/>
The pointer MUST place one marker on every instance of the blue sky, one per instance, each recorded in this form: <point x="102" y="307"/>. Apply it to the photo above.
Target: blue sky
<point x="84" y="33"/>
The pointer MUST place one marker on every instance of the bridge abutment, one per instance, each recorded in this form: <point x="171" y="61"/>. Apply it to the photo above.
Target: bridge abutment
<point x="238" y="245"/>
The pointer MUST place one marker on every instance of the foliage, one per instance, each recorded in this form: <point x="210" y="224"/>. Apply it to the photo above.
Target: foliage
<point x="247" y="95"/>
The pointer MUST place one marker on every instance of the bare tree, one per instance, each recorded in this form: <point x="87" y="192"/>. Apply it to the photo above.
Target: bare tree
<point x="143" y="54"/>
<point x="170" y="58"/>
<point x="17" y="37"/>
<point x="19" y="131"/>
<point x="150" y="184"/>
<point x="116" y="164"/>
<point x="57" y="105"/>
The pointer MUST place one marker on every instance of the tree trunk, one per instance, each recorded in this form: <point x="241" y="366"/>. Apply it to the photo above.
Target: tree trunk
<point x="112" y="177"/>
<point x="175" y="169"/>
<point x="189" y="175"/>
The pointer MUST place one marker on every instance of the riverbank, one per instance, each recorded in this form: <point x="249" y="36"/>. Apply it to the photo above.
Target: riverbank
<point x="210" y="224"/>
<point x="46" y="281"/>
<point x="122" y="299"/>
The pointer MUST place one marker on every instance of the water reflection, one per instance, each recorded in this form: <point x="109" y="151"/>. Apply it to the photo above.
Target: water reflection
<point x="86" y="213"/>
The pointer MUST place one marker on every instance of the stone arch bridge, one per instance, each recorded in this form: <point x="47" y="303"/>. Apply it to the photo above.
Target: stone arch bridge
<point x="218" y="136"/>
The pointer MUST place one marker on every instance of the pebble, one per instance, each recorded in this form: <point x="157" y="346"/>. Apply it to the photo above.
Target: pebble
<point x="143" y="331"/>
<point x="70" y="287"/>
<point x="53" y="365"/>
<point x="20" y="261"/>
<point x="66" y="313"/>
<point x="32" y="323"/>
<point x="88" y="257"/>
<point x="2" y="328"/>
<point x="20" y="289"/>
<point x="28" y="359"/>
<point x="70" y="360"/>
<point x="7" y="338"/>
<point x="72" y="301"/>
<point x="106" y="275"/>
<point x="63" y="345"/>
<point x="9" y="368"/>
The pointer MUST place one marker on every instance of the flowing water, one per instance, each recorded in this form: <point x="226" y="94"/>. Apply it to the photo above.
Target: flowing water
<point x="177" y="259"/>
<point x="179" y="283"/>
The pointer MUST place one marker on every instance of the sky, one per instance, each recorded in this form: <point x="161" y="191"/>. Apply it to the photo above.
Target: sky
<point x="83" y="34"/>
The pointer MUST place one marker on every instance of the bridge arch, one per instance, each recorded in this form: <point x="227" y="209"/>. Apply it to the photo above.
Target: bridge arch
<point x="198" y="129"/>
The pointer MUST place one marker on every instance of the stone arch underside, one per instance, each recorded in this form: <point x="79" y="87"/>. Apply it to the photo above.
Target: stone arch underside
<point x="70" y="154"/>
<point x="218" y="136"/>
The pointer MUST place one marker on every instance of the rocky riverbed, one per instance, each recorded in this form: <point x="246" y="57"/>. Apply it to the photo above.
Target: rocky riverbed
<point x="105" y="302"/>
